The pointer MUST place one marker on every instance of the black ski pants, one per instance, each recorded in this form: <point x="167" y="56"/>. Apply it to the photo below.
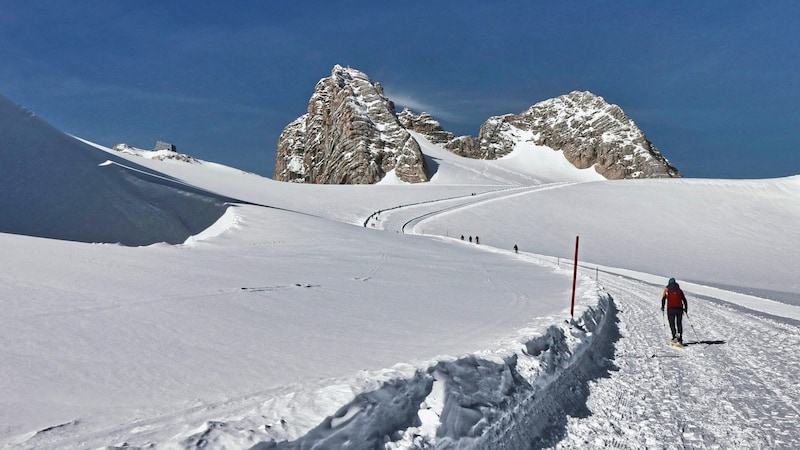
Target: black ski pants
<point x="675" y="317"/>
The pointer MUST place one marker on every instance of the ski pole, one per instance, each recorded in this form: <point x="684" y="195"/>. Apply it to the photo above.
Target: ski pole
<point x="692" y="325"/>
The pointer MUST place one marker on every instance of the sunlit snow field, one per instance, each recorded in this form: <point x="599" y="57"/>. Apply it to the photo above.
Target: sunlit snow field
<point x="301" y="298"/>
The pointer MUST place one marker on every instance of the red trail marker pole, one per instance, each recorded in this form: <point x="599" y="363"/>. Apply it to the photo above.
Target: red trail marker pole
<point x="574" y="279"/>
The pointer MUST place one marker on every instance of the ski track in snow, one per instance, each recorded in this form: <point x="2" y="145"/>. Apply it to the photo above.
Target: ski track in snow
<point x="722" y="390"/>
<point x="434" y="208"/>
<point x="736" y="388"/>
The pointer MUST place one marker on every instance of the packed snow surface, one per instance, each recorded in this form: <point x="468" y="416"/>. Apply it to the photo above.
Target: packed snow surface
<point x="356" y="316"/>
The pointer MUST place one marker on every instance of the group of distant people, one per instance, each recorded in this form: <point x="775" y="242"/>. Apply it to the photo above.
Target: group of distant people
<point x="478" y="241"/>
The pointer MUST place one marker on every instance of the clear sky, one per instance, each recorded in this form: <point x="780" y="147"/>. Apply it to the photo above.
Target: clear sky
<point x="713" y="84"/>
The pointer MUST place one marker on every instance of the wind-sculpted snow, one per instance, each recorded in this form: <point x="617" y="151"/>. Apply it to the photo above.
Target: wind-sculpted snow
<point x="368" y="419"/>
<point x="58" y="187"/>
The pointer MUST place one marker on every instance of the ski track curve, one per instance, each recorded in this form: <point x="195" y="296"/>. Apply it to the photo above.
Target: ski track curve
<point x="434" y="208"/>
<point x="733" y="386"/>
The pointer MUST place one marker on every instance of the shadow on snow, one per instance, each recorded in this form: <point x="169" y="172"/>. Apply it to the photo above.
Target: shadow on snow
<point x="704" y="342"/>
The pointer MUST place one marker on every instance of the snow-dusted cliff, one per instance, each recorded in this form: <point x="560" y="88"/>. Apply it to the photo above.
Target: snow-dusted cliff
<point x="350" y="135"/>
<point x="586" y="128"/>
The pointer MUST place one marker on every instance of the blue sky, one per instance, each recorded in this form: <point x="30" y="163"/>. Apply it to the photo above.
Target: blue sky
<point x="714" y="85"/>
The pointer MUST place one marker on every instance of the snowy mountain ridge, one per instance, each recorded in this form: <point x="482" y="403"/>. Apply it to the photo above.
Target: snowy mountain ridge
<point x="350" y="129"/>
<point x="591" y="131"/>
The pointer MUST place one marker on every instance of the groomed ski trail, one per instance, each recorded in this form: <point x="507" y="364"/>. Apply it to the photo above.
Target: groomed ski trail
<point x="397" y="217"/>
<point x="735" y="388"/>
<point x="733" y="385"/>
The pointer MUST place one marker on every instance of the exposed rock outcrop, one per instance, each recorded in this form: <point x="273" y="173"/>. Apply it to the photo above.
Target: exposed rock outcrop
<point x="157" y="154"/>
<point x="350" y="135"/>
<point x="425" y="124"/>
<point x="585" y="127"/>
<point x="466" y="146"/>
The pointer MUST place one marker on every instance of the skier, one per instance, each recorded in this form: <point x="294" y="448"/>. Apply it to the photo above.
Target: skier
<point x="516" y="249"/>
<point x="676" y="304"/>
<point x="477" y="240"/>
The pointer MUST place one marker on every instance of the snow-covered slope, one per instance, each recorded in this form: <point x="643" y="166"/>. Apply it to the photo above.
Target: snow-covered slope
<point x="526" y="165"/>
<point x="285" y="325"/>
<point x="55" y="186"/>
<point x="692" y="229"/>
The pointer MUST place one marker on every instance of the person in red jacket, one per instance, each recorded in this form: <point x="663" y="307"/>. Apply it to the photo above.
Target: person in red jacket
<point x="675" y="300"/>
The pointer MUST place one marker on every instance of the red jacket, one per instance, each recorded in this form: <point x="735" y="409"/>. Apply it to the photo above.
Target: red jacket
<point x="674" y="297"/>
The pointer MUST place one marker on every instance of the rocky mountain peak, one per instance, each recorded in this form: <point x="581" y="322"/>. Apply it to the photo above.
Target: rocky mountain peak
<point x="587" y="129"/>
<point x="350" y="135"/>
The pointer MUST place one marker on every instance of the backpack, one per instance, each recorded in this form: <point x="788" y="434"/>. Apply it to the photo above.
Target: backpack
<point x="674" y="296"/>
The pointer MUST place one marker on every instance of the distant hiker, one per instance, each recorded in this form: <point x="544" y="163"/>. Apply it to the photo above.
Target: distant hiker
<point x="462" y="237"/>
<point x="470" y="238"/>
<point x="477" y="240"/>
<point x="675" y="300"/>
<point x="516" y="250"/>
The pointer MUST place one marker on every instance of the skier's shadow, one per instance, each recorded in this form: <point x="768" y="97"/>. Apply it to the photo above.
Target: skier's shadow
<point x="704" y="342"/>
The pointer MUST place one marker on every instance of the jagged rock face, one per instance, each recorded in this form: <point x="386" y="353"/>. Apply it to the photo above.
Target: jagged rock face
<point x="290" y="162"/>
<point x="350" y="135"/>
<point x="424" y="124"/>
<point x="587" y="129"/>
<point x="466" y="146"/>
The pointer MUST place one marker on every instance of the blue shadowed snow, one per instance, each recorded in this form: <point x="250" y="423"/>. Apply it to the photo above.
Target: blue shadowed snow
<point x="85" y="200"/>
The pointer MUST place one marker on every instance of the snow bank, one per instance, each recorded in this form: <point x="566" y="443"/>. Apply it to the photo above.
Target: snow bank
<point x="501" y="399"/>
<point x="224" y="223"/>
